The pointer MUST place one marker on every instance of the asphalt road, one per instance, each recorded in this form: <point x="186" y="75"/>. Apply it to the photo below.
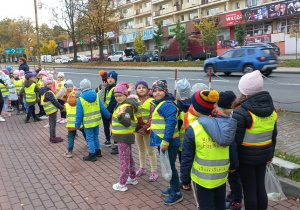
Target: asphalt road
<point x="284" y="87"/>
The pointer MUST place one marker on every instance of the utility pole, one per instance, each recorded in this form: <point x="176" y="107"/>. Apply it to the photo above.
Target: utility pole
<point x="37" y="36"/>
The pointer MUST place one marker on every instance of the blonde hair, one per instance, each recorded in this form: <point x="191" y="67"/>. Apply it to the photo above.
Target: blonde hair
<point x="238" y="100"/>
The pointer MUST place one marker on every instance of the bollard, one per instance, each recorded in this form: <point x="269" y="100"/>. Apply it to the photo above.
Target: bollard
<point x="175" y="83"/>
<point x="209" y="83"/>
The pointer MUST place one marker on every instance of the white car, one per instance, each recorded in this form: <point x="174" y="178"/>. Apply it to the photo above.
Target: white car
<point x="83" y="58"/>
<point x="62" y="60"/>
<point x="117" y="56"/>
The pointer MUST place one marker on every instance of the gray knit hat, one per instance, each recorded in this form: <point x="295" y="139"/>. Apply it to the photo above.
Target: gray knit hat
<point x="85" y="85"/>
<point x="69" y="83"/>
<point x="183" y="88"/>
<point x="198" y="86"/>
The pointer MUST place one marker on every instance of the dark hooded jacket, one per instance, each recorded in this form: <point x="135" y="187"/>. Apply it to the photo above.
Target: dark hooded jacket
<point x="125" y="120"/>
<point x="27" y="83"/>
<point x="260" y="104"/>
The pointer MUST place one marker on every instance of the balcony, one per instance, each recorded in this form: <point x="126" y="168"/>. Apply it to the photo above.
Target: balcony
<point x="178" y="8"/>
<point x="148" y="23"/>
<point x="121" y="16"/>
<point x="137" y="12"/>
<point x="163" y="11"/>
<point x="157" y="1"/>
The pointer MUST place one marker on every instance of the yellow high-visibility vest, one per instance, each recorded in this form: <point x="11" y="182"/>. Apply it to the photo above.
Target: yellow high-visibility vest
<point x="18" y="84"/>
<point x="92" y="114"/>
<point x="261" y="131"/>
<point x="48" y="106"/>
<point x="71" y="116"/>
<point x="108" y="97"/>
<point x="145" y="110"/>
<point x="182" y="130"/>
<point x="40" y="83"/>
<point x="211" y="162"/>
<point x="4" y="89"/>
<point x="30" y="95"/>
<point x="58" y="85"/>
<point x="118" y="128"/>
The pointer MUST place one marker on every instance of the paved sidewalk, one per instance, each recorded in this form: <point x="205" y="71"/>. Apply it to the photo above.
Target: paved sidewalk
<point x="35" y="175"/>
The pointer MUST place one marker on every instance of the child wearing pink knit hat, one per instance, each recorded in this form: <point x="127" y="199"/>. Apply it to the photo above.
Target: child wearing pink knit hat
<point x="124" y="122"/>
<point x="18" y="82"/>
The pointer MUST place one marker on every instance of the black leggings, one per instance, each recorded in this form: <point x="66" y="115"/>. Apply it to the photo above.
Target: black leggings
<point x="1" y="102"/>
<point x="62" y="114"/>
<point x="253" y="182"/>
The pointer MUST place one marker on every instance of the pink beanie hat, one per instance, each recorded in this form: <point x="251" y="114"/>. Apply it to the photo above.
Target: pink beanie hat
<point x="251" y="83"/>
<point x="122" y="87"/>
<point x="47" y="80"/>
<point x="5" y="71"/>
<point x="16" y="72"/>
<point x="43" y="72"/>
<point x="22" y="73"/>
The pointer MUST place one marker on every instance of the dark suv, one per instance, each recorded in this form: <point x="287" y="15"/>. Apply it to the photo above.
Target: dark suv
<point x="130" y="55"/>
<point x="266" y="45"/>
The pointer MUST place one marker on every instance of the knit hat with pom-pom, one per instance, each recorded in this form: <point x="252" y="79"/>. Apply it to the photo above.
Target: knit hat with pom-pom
<point x="103" y="74"/>
<point x="204" y="101"/>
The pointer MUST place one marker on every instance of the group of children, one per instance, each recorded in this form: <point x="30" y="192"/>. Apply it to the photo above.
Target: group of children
<point x="212" y="142"/>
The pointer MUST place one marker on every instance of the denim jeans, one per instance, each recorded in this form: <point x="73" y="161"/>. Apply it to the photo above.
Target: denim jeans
<point x="31" y="111"/>
<point x="92" y="138"/>
<point x="209" y="199"/>
<point x="71" y="137"/>
<point x="235" y="186"/>
<point x="174" y="183"/>
<point x="26" y="105"/>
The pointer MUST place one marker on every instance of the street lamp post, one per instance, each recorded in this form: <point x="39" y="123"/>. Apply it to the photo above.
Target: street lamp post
<point x="37" y="36"/>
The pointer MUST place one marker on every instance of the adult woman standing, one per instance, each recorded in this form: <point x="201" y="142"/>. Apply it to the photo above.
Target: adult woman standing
<point x="23" y="65"/>
<point x="255" y="137"/>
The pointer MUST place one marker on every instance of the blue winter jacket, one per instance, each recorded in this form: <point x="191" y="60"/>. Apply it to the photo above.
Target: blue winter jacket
<point x="90" y="96"/>
<point x="222" y="130"/>
<point x="169" y="111"/>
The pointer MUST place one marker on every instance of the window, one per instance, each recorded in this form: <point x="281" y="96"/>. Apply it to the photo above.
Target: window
<point x="141" y="6"/>
<point x="238" y="53"/>
<point x="166" y="22"/>
<point x="259" y="29"/>
<point x="252" y="3"/>
<point x="149" y="18"/>
<point x="192" y="16"/>
<point x="190" y="1"/>
<point x="250" y="52"/>
<point x="182" y="17"/>
<point x="141" y="20"/>
<point x="164" y="6"/>
<point x="237" y="5"/>
<point x="212" y="11"/>
<point x="148" y="4"/>
<point x="227" y="54"/>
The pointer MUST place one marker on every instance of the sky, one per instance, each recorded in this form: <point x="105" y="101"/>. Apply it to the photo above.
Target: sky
<point x="15" y="8"/>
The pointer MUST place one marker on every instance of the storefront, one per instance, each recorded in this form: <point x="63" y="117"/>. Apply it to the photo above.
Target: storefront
<point x="126" y="40"/>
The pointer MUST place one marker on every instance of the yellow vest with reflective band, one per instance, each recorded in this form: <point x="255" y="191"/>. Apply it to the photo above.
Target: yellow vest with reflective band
<point x="4" y="89"/>
<point x="158" y="124"/>
<point x="40" y="83"/>
<point x="108" y="97"/>
<point x="261" y="131"/>
<point x="118" y="128"/>
<point x="211" y="162"/>
<point x="182" y="130"/>
<point x="91" y="113"/>
<point x="30" y="95"/>
<point x="58" y="85"/>
<point x="48" y="106"/>
<point x="18" y="84"/>
<point x="71" y="116"/>
<point x="145" y="110"/>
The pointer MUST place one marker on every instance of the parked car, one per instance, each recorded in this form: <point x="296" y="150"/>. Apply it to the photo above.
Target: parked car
<point x="62" y="60"/>
<point x="150" y="55"/>
<point x="195" y="50"/>
<point x="83" y="58"/>
<point x="126" y="55"/>
<point x="266" y="45"/>
<point x="96" y="57"/>
<point x="243" y="59"/>
<point x="117" y="56"/>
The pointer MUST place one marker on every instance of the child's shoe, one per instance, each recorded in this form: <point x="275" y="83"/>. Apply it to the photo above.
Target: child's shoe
<point x="68" y="154"/>
<point x="58" y="139"/>
<point x="107" y="144"/>
<point x="46" y="126"/>
<point x="63" y="120"/>
<point x="44" y="117"/>
<point x="98" y="153"/>
<point x="119" y="187"/>
<point x="166" y="192"/>
<point x="140" y="172"/>
<point x="58" y="121"/>
<point x="37" y="119"/>
<point x="18" y="112"/>
<point x="114" y="151"/>
<point x="235" y="206"/>
<point x="172" y="199"/>
<point x="153" y="177"/>
<point x="2" y="119"/>
<point x="132" y="181"/>
<point x="91" y="157"/>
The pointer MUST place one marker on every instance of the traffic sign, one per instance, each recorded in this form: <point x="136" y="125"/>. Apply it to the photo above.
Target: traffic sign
<point x="14" y="50"/>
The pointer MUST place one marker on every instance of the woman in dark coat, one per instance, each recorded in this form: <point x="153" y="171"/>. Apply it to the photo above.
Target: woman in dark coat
<point x="23" y="65"/>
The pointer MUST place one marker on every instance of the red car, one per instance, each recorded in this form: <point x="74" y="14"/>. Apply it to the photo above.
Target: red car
<point x="97" y="56"/>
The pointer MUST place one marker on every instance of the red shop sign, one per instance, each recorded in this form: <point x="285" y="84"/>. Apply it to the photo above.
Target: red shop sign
<point x="233" y="18"/>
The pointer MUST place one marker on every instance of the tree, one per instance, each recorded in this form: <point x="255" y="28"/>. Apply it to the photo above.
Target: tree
<point x="295" y="32"/>
<point x="209" y="29"/>
<point x="181" y="38"/>
<point x="158" y="36"/>
<point x="139" y="43"/>
<point x="240" y="32"/>
<point x="52" y="46"/>
<point x="44" y="48"/>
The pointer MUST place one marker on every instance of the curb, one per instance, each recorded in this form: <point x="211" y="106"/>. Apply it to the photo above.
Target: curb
<point x="290" y="187"/>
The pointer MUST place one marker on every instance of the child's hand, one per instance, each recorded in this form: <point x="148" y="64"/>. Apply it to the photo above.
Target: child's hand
<point x="122" y="111"/>
<point x="163" y="147"/>
<point x="131" y="87"/>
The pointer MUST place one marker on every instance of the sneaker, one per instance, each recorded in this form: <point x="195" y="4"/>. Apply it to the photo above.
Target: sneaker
<point x="153" y="177"/>
<point x="172" y="199"/>
<point x="46" y="126"/>
<point x="62" y="121"/>
<point x="166" y="192"/>
<point x="236" y="206"/>
<point x="140" y="172"/>
<point x="44" y="117"/>
<point x="2" y="119"/>
<point x="114" y="151"/>
<point x="91" y="157"/>
<point x="132" y="181"/>
<point x="58" y="121"/>
<point x="98" y="153"/>
<point x="119" y="187"/>
<point x="68" y="154"/>
<point x="107" y="144"/>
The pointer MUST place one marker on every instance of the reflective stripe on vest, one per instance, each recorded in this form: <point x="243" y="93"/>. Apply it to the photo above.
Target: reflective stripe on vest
<point x="30" y="95"/>
<point x="211" y="162"/>
<point x="18" y="84"/>
<point x="92" y="114"/>
<point x="118" y="128"/>
<point x="145" y="110"/>
<point x="48" y="106"/>
<point x="261" y="131"/>
<point x="108" y="97"/>
<point x="182" y="130"/>
<point x="71" y="116"/>
<point x="158" y="124"/>
<point x="4" y="89"/>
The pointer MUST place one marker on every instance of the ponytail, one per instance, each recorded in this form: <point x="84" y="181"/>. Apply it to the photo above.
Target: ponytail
<point x="238" y="100"/>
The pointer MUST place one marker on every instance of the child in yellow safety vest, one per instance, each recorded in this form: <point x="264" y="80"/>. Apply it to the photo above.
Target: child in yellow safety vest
<point x="71" y="119"/>
<point x="5" y="84"/>
<point x="59" y="84"/>
<point x="69" y="91"/>
<point x="18" y="82"/>
<point x="39" y="82"/>
<point x="51" y="106"/>
<point x="124" y="123"/>
<point x="205" y="154"/>
<point x="142" y="135"/>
